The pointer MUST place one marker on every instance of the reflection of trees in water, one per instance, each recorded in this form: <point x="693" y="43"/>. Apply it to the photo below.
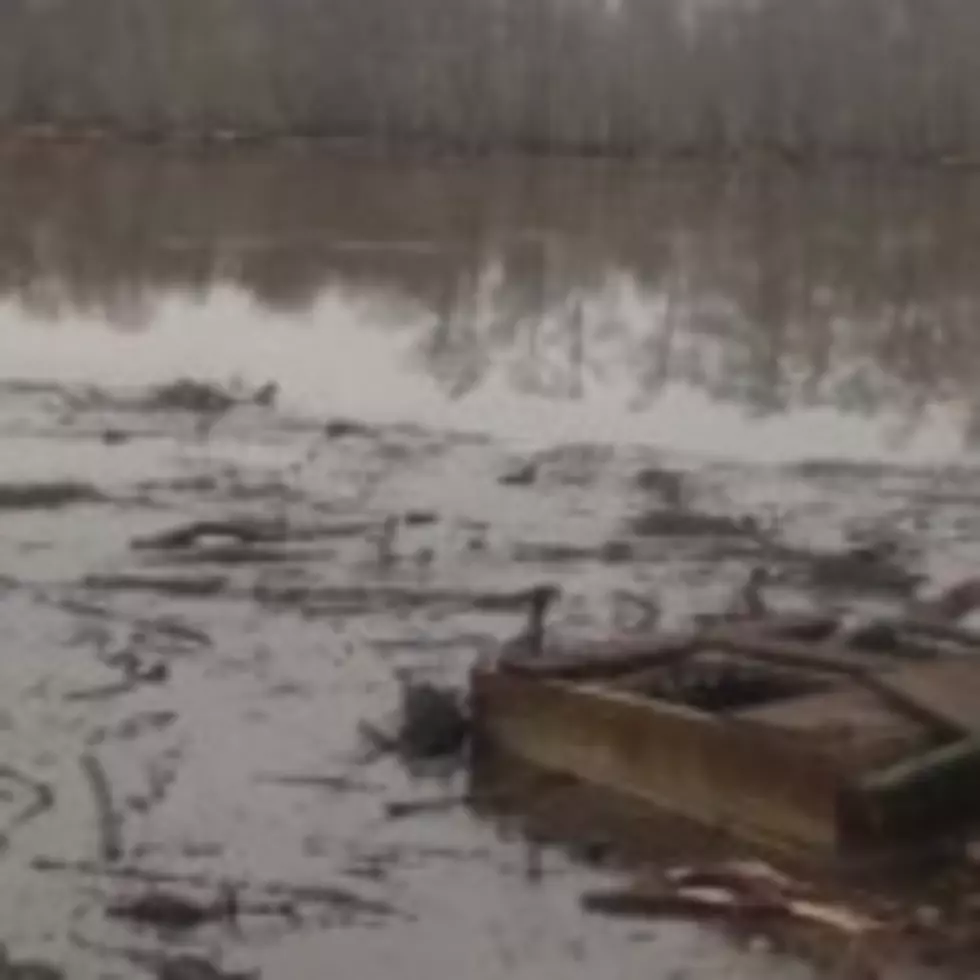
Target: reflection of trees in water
<point x="770" y="289"/>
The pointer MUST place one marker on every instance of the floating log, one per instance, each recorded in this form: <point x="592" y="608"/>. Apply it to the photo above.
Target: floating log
<point x="331" y="895"/>
<point x="203" y="586"/>
<point x="186" y="535"/>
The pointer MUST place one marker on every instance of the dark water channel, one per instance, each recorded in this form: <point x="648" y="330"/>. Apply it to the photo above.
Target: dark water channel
<point x="529" y="362"/>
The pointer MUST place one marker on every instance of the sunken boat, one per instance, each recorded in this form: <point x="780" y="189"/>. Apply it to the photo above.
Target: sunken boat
<point x="786" y="735"/>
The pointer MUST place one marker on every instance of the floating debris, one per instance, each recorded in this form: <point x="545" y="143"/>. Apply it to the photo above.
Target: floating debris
<point x="691" y="523"/>
<point x="385" y="539"/>
<point x="48" y="496"/>
<point x="669" y="484"/>
<point x="188" y="535"/>
<point x="26" y="969"/>
<point x="186" y="967"/>
<point x="134" y="726"/>
<point x="736" y="890"/>
<point x="115" y="437"/>
<point x="647" y="609"/>
<point x="871" y="569"/>
<point x="108" y="819"/>
<point x="200" y="586"/>
<point x="521" y="475"/>
<point x="331" y="895"/>
<point x="343" y="428"/>
<point x="41" y="800"/>
<point x="172" y="911"/>
<point x="204" y="397"/>
<point x="419" y="518"/>
<point x="432" y="720"/>
<point x="340" y="784"/>
<point x="556" y="552"/>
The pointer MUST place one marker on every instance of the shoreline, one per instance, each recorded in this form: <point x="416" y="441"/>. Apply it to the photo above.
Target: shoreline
<point x="412" y="149"/>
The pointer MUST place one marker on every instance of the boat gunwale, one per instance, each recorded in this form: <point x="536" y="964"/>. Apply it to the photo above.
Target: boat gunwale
<point x="780" y="776"/>
<point x="658" y="705"/>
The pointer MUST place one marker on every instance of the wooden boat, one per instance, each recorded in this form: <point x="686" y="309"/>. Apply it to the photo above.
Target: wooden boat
<point x="807" y="746"/>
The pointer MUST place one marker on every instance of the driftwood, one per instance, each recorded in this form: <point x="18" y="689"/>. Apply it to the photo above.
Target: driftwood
<point x="103" y="691"/>
<point x="746" y="877"/>
<point x="109" y="820"/>
<point x="734" y="890"/>
<point x="340" y="784"/>
<point x="242" y="535"/>
<point x="396" y="809"/>
<point x="26" y="969"/>
<point x="43" y="799"/>
<point x="187" y="967"/>
<point x="178" y="585"/>
<point x="168" y="910"/>
<point x="165" y="626"/>
<point x="682" y="903"/>
<point x="333" y="895"/>
<point x="591" y="662"/>
<point x="436" y="804"/>
<point x="237" y="553"/>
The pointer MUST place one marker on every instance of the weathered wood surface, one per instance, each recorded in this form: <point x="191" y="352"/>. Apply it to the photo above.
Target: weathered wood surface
<point x="713" y="770"/>
<point x="792" y="772"/>
<point x="847" y="722"/>
<point x="911" y="691"/>
<point x="598" y="661"/>
<point x="617" y="656"/>
<point x="950" y="688"/>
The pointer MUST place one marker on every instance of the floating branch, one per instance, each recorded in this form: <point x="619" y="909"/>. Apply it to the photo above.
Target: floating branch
<point x="109" y="820"/>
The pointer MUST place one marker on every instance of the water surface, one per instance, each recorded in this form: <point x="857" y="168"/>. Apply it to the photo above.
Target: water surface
<point x="794" y="349"/>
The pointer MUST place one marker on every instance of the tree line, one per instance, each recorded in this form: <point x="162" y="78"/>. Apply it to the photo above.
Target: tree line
<point x="882" y="78"/>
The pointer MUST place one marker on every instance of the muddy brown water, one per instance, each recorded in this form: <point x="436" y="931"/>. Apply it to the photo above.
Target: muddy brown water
<point x="537" y="368"/>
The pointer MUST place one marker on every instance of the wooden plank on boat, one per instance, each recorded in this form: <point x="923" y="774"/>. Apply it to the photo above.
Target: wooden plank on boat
<point x="609" y="658"/>
<point x="848" y="722"/>
<point x="919" y="702"/>
<point x="602" y="659"/>
<point x="724" y="775"/>
<point x="760" y="645"/>
<point x="950" y="689"/>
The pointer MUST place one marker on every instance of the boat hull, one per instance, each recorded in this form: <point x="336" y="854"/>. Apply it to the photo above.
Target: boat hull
<point x="726" y="775"/>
